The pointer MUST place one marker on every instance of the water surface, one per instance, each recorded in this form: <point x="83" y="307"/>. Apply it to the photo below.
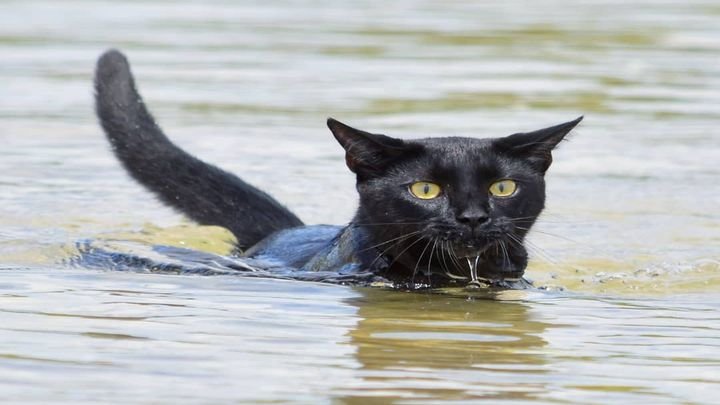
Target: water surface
<point x="626" y="253"/>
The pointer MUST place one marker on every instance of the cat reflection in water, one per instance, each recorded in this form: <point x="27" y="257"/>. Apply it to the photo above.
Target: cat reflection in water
<point x="433" y="212"/>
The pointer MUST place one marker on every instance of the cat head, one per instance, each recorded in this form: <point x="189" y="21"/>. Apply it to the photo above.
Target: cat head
<point x="431" y="204"/>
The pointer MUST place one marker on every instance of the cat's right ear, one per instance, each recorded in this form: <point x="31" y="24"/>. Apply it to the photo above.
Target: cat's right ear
<point x="367" y="154"/>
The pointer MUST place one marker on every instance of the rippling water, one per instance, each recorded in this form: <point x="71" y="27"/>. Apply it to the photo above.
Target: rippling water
<point x="627" y="251"/>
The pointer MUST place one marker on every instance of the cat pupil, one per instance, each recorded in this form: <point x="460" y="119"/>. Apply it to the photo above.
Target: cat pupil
<point x="426" y="189"/>
<point x="501" y="187"/>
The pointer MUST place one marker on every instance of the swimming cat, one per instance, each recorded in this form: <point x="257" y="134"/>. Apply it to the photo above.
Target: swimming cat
<point x="432" y="212"/>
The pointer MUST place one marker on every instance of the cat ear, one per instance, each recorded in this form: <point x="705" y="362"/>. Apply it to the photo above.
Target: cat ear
<point x="366" y="154"/>
<point x="536" y="146"/>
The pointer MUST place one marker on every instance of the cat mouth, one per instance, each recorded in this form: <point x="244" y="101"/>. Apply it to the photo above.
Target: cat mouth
<point x="470" y="250"/>
<point x="477" y="269"/>
<point x="467" y="246"/>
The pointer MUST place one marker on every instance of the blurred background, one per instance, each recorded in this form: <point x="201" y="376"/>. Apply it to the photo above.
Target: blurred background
<point x="633" y="197"/>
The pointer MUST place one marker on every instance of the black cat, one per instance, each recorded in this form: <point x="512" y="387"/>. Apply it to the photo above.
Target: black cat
<point x="432" y="212"/>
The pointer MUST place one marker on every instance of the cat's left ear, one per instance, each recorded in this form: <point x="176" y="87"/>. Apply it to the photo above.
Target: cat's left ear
<point x="367" y="154"/>
<point x="536" y="147"/>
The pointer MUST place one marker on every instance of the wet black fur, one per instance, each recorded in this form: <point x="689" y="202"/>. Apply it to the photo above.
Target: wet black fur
<point x="464" y="221"/>
<point x="201" y="191"/>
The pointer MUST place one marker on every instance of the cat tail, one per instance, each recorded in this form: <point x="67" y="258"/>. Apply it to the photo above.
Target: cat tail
<point x="204" y="193"/>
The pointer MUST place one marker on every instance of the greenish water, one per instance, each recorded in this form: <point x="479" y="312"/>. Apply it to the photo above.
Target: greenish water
<point x="628" y="250"/>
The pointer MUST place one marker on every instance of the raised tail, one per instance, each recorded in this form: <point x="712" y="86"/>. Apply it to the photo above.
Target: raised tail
<point x="203" y="192"/>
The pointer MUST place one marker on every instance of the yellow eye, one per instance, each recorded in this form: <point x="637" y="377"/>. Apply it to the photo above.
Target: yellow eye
<point x="503" y="188"/>
<point x="425" y="190"/>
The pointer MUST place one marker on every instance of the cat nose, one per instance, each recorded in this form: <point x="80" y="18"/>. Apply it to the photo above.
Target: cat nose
<point x="472" y="217"/>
